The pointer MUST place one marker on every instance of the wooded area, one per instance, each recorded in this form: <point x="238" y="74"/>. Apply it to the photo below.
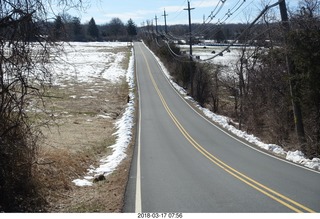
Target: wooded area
<point x="70" y="29"/>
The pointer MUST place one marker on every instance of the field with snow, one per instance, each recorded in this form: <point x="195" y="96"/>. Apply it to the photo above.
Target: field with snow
<point x="228" y="59"/>
<point x="88" y="62"/>
<point x="91" y="103"/>
<point x="101" y="65"/>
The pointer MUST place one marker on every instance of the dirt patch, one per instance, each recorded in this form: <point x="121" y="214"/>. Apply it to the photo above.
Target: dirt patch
<point x="78" y="137"/>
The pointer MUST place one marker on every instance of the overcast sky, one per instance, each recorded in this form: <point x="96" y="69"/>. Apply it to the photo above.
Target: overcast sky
<point x="231" y="11"/>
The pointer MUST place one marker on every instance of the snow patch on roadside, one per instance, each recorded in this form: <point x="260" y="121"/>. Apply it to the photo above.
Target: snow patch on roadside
<point x="299" y="157"/>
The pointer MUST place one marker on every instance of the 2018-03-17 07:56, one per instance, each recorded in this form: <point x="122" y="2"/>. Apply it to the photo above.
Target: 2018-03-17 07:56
<point x="159" y="215"/>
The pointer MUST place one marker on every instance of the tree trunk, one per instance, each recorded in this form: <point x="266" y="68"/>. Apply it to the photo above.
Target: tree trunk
<point x="294" y="83"/>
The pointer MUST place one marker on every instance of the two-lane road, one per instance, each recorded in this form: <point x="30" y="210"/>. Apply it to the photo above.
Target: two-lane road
<point x="184" y="163"/>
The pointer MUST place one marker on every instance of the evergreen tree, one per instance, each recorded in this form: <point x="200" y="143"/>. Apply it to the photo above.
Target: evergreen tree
<point x="131" y="28"/>
<point x="93" y="30"/>
<point x="77" y="30"/>
<point x="58" y="29"/>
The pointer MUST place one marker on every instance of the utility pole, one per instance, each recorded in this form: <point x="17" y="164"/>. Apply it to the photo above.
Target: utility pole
<point x="156" y="19"/>
<point x="165" y="21"/>
<point x="190" y="45"/>
<point x="294" y="83"/>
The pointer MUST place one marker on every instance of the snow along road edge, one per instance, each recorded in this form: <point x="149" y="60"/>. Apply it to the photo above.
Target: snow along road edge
<point x="124" y="135"/>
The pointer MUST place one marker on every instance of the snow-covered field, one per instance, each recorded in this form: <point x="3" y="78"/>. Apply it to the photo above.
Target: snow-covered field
<point x="228" y="58"/>
<point x="85" y="62"/>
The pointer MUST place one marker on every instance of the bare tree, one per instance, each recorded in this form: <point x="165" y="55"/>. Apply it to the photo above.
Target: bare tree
<point x="303" y="45"/>
<point x="24" y="54"/>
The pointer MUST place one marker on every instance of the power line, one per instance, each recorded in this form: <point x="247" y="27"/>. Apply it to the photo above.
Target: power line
<point x="242" y="10"/>
<point x="178" y="12"/>
<point x="247" y="29"/>
<point x="236" y="7"/>
<point x="220" y="21"/>
<point x="177" y="57"/>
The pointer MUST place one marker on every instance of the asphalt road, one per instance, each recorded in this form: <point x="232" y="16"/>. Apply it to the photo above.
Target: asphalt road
<point x="184" y="163"/>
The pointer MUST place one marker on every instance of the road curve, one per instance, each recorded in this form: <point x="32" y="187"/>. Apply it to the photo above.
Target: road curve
<point x="184" y="163"/>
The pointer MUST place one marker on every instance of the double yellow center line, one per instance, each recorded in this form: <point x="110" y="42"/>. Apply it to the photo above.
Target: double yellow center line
<point x="291" y="204"/>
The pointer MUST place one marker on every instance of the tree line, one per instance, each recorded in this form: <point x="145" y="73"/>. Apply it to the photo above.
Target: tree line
<point x="220" y="33"/>
<point x="68" y="28"/>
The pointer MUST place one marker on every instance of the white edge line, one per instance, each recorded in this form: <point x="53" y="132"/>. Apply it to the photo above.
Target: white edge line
<point x="237" y="139"/>
<point x="138" y="206"/>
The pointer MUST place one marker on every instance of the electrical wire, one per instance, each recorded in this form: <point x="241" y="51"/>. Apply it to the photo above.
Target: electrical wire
<point x="178" y="11"/>
<point x="156" y="39"/>
<point x="246" y="30"/>
<point x="221" y="20"/>
<point x="177" y="56"/>
<point x="243" y="9"/>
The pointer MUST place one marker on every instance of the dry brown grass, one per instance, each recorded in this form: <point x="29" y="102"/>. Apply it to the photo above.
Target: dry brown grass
<point x="79" y="136"/>
<point x="104" y="196"/>
<point x="58" y="170"/>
